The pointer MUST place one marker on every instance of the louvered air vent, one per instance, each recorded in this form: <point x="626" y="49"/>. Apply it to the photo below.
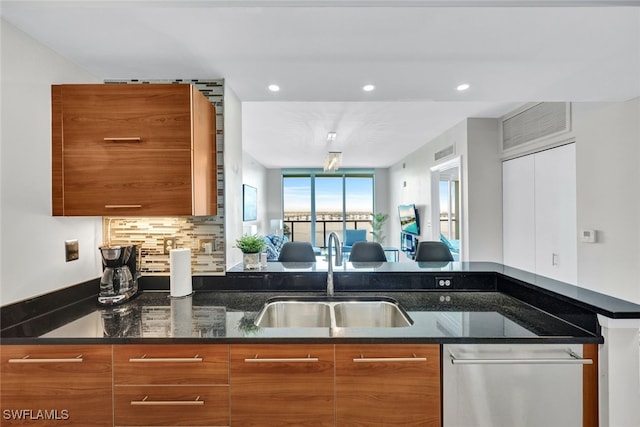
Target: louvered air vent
<point x="539" y="121"/>
<point x="443" y="153"/>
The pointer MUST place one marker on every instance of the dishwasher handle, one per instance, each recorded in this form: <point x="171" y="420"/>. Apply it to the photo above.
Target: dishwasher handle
<point x="573" y="360"/>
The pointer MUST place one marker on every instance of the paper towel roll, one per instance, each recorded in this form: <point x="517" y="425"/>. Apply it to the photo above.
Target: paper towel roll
<point x="180" y="276"/>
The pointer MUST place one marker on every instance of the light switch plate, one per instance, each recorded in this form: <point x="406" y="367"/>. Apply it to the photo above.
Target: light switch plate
<point x="588" y="236"/>
<point x="71" y="250"/>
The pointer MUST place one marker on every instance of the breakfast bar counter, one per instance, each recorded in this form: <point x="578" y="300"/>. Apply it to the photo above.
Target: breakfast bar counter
<point x="446" y="303"/>
<point x="458" y="313"/>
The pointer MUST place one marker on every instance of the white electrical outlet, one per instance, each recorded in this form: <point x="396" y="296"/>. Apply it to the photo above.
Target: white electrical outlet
<point x="168" y="243"/>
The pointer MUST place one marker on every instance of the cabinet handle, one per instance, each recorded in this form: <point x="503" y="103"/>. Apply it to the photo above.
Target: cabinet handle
<point x="122" y="206"/>
<point x="574" y="360"/>
<point x="145" y="402"/>
<point x="307" y="359"/>
<point x="126" y="139"/>
<point x="363" y="359"/>
<point x="145" y="359"/>
<point x="28" y="359"/>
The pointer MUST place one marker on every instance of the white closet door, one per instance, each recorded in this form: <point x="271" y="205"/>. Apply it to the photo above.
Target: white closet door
<point x="555" y="213"/>
<point x="518" y="213"/>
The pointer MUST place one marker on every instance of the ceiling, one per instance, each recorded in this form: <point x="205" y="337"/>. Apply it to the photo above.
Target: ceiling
<point x="321" y="53"/>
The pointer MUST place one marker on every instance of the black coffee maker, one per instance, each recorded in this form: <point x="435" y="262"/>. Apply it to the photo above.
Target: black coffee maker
<point x="120" y="274"/>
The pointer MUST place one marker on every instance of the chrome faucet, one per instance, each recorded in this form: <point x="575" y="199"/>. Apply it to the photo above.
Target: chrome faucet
<point x="336" y="242"/>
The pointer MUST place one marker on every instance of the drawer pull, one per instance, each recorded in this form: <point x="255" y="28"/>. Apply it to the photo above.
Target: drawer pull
<point x="145" y="359"/>
<point x="574" y="360"/>
<point x="145" y="402"/>
<point x="122" y="206"/>
<point x="28" y="359"/>
<point x="307" y="359"/>
<point x="125" y="139"/>
<point x="363" y="359"/>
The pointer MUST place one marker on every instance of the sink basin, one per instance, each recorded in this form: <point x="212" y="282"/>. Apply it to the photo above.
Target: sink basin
<point x="370" y="314"/>
<point x="294" y="314"/>
<point x="342" y="312"/>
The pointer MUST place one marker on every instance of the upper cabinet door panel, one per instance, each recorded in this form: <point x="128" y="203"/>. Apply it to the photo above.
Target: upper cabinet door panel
<point x="154" y="116"/>
<point x="117" y="184"/>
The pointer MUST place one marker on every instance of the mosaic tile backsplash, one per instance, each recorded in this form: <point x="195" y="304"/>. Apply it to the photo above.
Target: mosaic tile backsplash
<point x="188" y="232"/>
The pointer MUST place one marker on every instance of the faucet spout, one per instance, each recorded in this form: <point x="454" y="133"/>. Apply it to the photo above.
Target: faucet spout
<point x="333" y="237"/>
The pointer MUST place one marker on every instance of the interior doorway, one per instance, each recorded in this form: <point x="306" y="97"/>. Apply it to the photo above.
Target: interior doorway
<point x="446" y="213"/>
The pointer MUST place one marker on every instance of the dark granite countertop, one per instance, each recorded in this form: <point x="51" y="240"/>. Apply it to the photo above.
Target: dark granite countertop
<point x="228" y="317"/>
<point x="484" y="303"/>
<point x="597" y="302"/>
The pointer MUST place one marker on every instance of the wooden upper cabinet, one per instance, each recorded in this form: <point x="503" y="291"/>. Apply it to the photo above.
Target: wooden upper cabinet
<point x="132" y="149"/>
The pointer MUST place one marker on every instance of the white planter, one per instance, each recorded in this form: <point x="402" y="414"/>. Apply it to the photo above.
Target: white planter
<point x="251" y="261"/>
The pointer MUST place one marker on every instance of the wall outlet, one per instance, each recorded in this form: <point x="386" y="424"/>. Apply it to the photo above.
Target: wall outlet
<point x="202" y="245"/>
<point x="444" y="282"/>
<point x="168" y="244"/>
<point x="71" y="250"/>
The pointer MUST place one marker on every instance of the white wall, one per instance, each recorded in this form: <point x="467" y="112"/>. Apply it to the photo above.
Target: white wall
<point x="32" y="258"/>
<point x="476" y="142"/>
<point x="608" y="196"/>
<point x="274" y="195"/>
<point x="410" y="182"/>
<point x="482" y="190"/>
<point x="381" y="204"/>
<point x="255" y="175"/>
<point x="232" y="175"/>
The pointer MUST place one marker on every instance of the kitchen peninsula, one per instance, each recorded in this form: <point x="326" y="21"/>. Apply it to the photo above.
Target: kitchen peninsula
<point x="452" y="308"/>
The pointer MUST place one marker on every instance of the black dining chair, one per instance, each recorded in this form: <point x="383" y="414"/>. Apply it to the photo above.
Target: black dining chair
<point x="297" y="252"/>
<point x="367" y="252"/>
<point x="433" y="251"/>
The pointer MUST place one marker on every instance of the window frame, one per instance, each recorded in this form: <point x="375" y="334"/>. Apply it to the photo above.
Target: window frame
<point x="312" y="174"/>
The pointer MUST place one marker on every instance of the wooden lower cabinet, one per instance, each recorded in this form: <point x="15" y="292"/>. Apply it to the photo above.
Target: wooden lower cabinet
<point x="365" y="385"/>
<point x="56" y="385"/>
<point x="171" y="385"/>
<point x="172" y="405"/>
<point x="220" y="385"/>
<point x="282" y="385"/>
<point x="388" y="385"/>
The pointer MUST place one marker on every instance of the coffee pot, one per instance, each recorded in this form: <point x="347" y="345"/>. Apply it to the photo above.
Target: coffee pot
<point x="119" y="282"/>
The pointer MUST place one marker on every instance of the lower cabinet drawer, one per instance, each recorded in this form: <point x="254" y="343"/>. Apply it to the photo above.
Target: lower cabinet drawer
<point x="172" y="405"/>
<point x="185" y="364"/>
<point x="55" y="385"/>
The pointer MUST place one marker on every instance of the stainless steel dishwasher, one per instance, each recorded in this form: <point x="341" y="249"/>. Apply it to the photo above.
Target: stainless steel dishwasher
<point x="512" y="385"/>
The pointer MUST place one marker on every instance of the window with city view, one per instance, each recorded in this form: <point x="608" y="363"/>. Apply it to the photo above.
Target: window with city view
<point x="317" y="203"/>
<point x="449" y="226"/>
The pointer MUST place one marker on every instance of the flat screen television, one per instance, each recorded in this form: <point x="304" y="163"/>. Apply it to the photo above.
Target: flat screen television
<point x="409" y="222"/>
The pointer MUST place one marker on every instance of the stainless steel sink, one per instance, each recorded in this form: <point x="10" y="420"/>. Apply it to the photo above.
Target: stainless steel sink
<point x="370" y="314"/>
<point x="342" y="312"/>
<point x="294" y="314"/>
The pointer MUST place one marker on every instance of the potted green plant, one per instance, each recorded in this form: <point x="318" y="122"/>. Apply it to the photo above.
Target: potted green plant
<point x="251" y="246"/>
<point x="377" y="222"/>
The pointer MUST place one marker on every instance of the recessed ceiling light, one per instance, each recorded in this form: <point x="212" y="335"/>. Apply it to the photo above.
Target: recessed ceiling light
<point x="463" y="87"/>
<point x="331" y="136"/>
<point x="368" y="88"/>
<point x="274" y="88"/>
